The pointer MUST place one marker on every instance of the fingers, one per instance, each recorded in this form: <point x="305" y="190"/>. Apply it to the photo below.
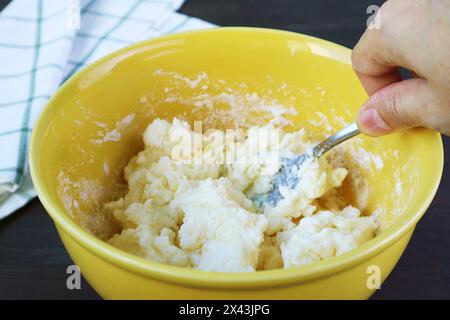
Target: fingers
<point x="404" y="104"/>
<point x="395" y="103"/>
<point x="373" y="83"/>
<point x="374" y="64"/>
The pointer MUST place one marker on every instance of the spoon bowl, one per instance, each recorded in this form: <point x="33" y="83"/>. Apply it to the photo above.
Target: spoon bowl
<point x="287" y="176"/>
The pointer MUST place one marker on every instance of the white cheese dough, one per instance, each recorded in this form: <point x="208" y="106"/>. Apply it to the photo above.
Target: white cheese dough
<point x="188" y="202"/>
<point x="324" y="235"/>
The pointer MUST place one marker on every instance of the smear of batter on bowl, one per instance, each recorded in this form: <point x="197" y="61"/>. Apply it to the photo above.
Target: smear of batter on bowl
<point x="198" y="214"/>
<point x="115" y="134"/>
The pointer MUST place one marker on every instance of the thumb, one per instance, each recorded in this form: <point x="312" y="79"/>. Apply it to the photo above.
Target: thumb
<point x="400" y="105"/>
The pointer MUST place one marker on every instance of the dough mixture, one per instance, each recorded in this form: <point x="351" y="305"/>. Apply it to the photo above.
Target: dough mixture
<point x="189" y="202"/>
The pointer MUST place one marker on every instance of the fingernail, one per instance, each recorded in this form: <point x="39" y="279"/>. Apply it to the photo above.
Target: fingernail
<point x="372" y="123"/>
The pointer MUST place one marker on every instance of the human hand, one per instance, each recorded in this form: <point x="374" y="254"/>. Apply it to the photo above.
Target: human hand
<point x="414" y="34"/>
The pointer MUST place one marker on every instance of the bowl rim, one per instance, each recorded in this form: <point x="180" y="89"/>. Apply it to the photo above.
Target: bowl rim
<point x="206" y="279"/>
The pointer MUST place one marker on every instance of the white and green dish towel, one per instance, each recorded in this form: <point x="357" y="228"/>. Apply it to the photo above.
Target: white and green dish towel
<point x="42" y="43"/>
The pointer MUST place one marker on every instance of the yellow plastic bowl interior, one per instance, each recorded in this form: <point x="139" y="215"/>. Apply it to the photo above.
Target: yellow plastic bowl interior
<point x="317" y="76"/>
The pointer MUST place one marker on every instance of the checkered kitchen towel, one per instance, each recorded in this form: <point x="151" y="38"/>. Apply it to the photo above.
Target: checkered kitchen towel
<point x="42" y="43"/>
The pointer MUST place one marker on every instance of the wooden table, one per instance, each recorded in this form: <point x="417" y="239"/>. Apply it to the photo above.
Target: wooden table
<point x="33" y="261"/>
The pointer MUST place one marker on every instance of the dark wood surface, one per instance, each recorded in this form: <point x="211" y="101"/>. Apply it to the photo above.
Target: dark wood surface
<point x="33" y="261"/>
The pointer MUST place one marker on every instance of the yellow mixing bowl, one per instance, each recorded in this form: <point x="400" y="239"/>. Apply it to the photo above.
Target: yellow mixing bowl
<point x="93" y="125"/>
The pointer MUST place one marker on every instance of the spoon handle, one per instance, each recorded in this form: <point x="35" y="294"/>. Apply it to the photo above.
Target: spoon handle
<point x="342" y="135"/>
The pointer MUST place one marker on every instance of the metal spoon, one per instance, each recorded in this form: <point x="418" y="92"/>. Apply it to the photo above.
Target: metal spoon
<point x="286" y="176"/>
